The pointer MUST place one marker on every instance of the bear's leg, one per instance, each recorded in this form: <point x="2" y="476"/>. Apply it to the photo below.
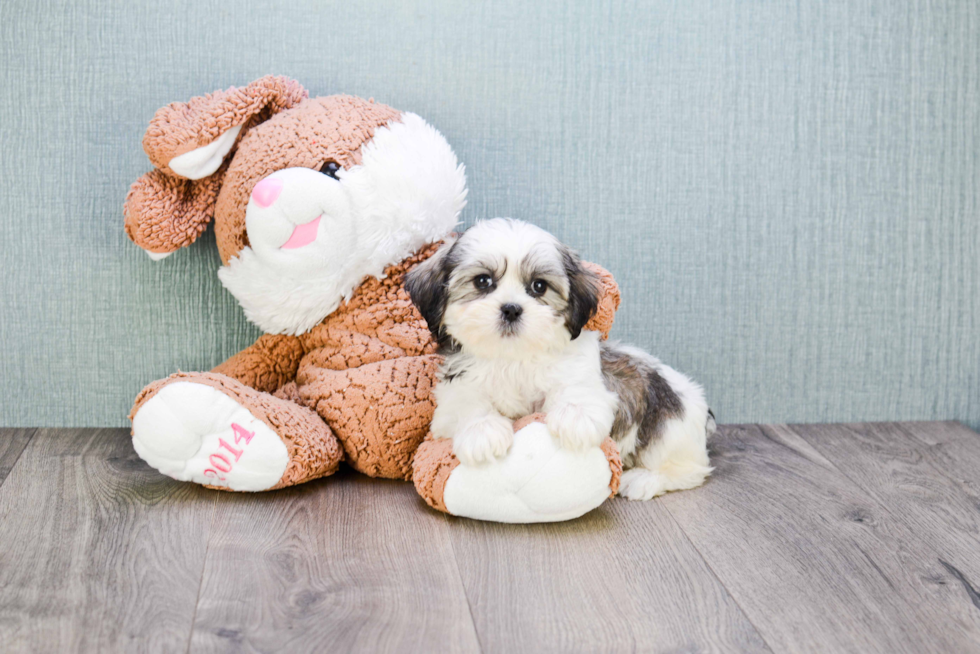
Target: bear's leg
<point x="213" y="430"/>
<point x="380" y="411"/>
<point x="538" y="481"/>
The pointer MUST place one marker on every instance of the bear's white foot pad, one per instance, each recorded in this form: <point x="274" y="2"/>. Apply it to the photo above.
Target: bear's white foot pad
<point x="193" y="432"/>
<point x="538" y="481"/>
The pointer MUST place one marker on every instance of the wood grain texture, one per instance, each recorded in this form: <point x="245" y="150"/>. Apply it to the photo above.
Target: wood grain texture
<point x="954" y="452"/>
<point x="12" y="443"/>
<point x="343" y="564"/>
<point x="622" y="578"/>
<point x="98" y="553"/>
<point x="823" y="538"/>
<point x="929" y="483"/>
<point x="814" y="562"/>
<point x="941" y="433"/>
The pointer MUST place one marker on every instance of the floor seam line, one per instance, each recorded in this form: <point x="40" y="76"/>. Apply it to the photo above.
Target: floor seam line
<point x="718" y="579"/>
<point x="459" y="575"/>
<point x="204" y="567"/>
<point x="30" y="439"/>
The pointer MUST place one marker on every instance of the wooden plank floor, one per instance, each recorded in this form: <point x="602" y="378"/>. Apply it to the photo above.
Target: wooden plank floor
<point x="817" y="538"/>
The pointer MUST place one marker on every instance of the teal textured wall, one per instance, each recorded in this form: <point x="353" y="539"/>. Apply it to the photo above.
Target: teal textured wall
<point x="788" y="193"/>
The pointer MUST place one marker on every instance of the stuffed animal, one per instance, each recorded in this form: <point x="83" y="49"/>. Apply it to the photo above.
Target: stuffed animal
<point x="320" y="206"/>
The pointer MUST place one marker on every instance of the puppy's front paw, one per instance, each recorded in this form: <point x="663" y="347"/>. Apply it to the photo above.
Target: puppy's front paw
<point x="483" y="440"/>
<point x="443" y="423"/>
<point x="580" y="426"/>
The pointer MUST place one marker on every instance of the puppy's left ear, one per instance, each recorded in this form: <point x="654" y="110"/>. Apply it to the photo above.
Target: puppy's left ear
<point x="428" y="286"/>
<point x="583" y="293"/>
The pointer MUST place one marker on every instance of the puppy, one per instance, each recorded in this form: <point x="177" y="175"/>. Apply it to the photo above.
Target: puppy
<point x="507" y="304"/>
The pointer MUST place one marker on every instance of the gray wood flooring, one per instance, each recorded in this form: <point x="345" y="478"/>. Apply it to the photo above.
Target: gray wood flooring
<point x="817" y="538"/>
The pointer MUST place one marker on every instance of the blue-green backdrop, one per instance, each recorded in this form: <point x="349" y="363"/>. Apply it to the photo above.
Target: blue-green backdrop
<point x="787" y="192"/>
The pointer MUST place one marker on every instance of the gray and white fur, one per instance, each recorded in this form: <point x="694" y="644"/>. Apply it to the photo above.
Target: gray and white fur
<point x="507" y="303"/>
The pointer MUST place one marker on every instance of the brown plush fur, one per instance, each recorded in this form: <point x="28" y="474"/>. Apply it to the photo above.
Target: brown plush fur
<point x="282" y="127"/>
<point x="313" y="449"/>
<point x="434" y="462"/>
<point x="316" y="131"/>
<point x="358" y="386"/>
<point x="184" y="126"/>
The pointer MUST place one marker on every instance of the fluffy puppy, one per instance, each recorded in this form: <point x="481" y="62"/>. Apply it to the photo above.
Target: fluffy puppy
<point x="507" y="302"/>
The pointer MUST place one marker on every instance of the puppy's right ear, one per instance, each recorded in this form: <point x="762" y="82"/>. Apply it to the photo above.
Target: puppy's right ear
<point x="428" y="286"/>
<point x="188" y="143"/>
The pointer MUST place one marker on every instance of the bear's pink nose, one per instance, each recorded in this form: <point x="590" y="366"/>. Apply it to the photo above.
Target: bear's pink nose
<point x="266" y="192"/>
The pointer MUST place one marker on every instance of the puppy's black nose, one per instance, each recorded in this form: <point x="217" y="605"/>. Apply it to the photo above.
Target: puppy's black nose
<point x="511" y="311"/>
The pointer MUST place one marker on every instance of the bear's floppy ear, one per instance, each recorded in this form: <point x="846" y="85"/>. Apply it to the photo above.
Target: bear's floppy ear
<point x="188" y="143"/>
<point x="191" y="139"/>
<point x="163" y="213"/>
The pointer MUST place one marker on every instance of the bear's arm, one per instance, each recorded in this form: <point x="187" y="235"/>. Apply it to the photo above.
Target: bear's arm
<point x="378" y="323"/>
<point x="609" y="299"/>
<point x="266" y="365"/>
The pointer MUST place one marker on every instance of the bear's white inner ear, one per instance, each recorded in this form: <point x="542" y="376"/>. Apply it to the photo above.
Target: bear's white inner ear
<point x="158" y="256"/>
<point x="199" y="163"/>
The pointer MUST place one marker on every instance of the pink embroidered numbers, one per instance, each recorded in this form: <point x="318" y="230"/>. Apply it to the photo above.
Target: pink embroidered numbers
<point x="220" y="460"/>
<point x="241" y="434"/>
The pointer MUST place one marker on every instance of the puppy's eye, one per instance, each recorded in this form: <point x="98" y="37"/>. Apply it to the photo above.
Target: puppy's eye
<point x="538" y="287"/>
<point x="483" y="282"/>
<point x="330" y="169"/>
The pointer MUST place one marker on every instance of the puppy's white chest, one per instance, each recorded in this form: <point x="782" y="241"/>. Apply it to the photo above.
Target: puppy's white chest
<point x="517" y="389"/>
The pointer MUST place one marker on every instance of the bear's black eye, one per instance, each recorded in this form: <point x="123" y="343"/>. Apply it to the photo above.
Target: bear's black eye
<point x="483" y="282"/>
<point x="330" y="169"/>
<point x="538" y="287"/>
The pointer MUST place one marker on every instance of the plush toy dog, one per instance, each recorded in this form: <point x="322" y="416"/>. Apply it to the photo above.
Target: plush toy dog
<point x="320" y="207"/>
